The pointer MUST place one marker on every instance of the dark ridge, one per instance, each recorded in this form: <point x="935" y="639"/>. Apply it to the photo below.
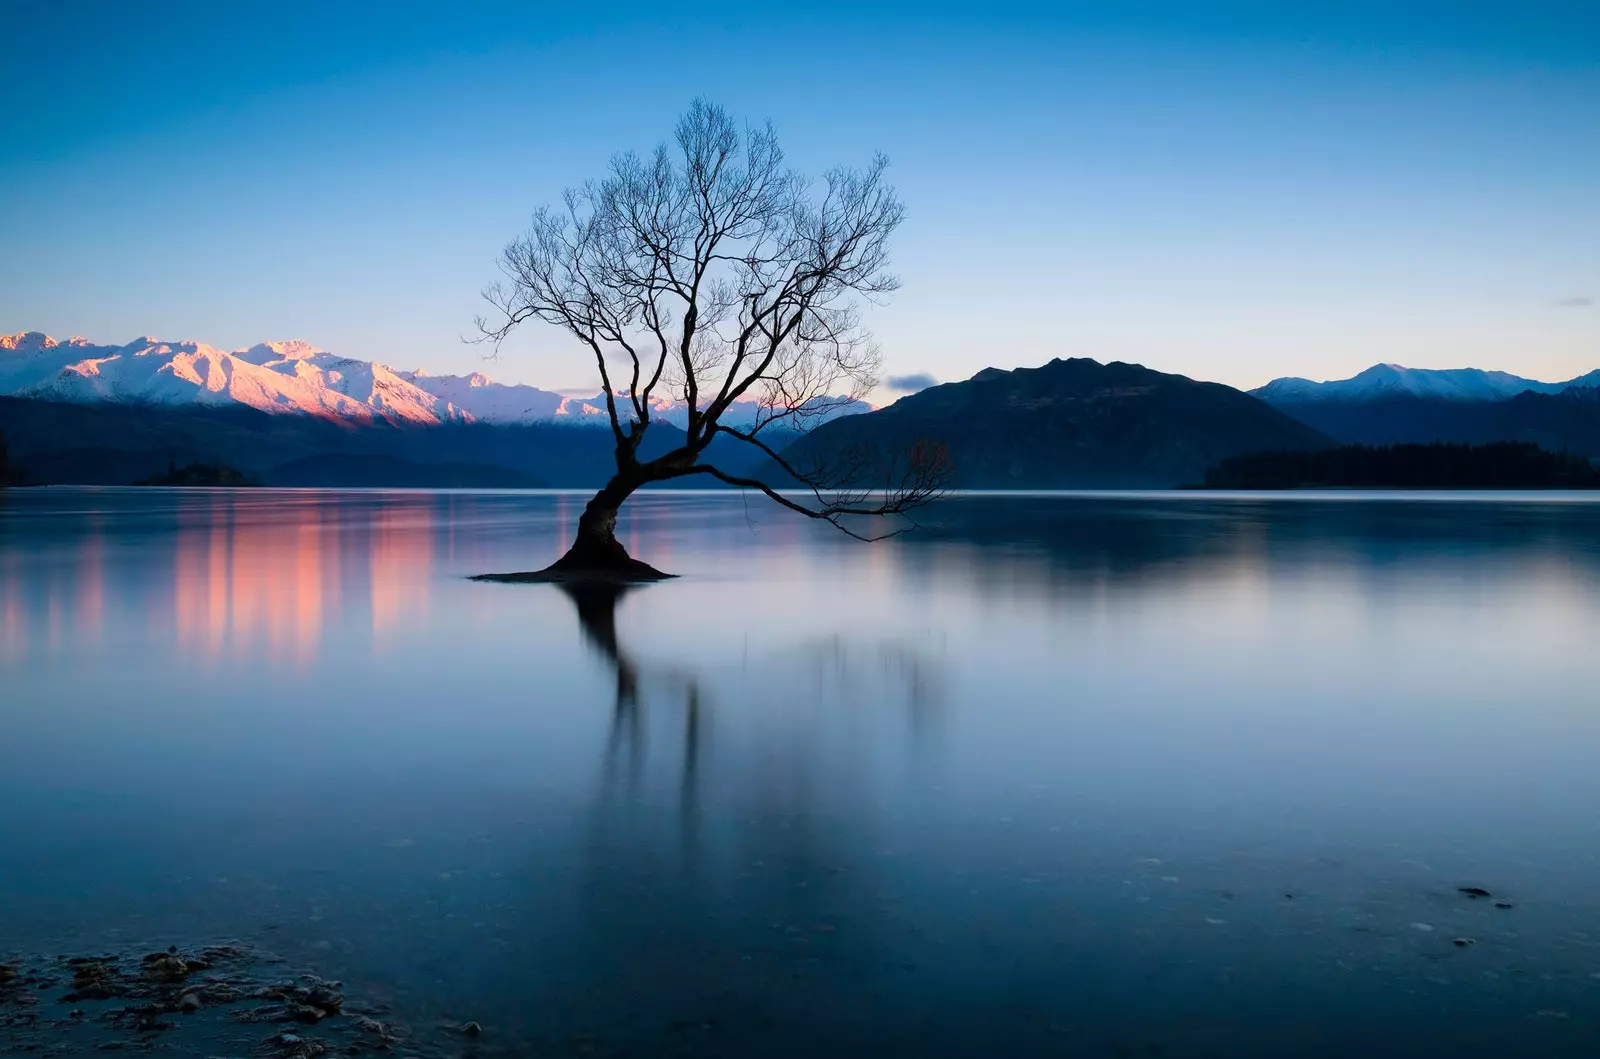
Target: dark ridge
<point x="1068" y="424"/>
<point x="1499" y="465"/>
<point x="1567" y="421"/>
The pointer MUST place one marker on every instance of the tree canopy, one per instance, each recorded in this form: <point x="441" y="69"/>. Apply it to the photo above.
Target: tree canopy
<point x="709" y="272"/>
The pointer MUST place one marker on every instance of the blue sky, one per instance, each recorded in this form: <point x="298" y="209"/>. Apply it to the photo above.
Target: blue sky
<point x="1232" y="191"/>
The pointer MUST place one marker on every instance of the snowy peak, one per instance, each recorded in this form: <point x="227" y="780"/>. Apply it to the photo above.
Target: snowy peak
<point x="290" y="377"/>
<point x="266" y="352"/>
<point x="26" y="342"/>
<point x="295" y="377"/>
<point x="1382" y="381"/>
<point x="486" y="401"/>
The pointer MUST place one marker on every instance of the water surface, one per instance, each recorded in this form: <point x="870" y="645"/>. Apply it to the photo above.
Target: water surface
<point x="1171" y="775"/>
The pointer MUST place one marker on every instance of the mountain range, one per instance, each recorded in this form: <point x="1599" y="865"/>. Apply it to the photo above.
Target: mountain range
<point x="1388" y="381"/>
<point x="287" y="413"/>
<point x="1391" y="405"/>
<point x="295" y="377"/>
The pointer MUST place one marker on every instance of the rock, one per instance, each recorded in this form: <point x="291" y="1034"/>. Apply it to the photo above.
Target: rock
<point x="472" y="1029"/>
<point x="92" y="980"/>
<point x="1473" y="892"/>
<point x="1503" y="904"/>
<point x="166" y="968"/>
<point x="308" y="1014"/>
<point x="325" y="998"/>
<point x="190" y="1003"/>
<point x="1462" y="943"/>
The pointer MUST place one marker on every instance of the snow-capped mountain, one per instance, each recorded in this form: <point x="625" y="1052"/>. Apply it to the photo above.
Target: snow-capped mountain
<point x="1392" y="380"/>
<point x="271" y="376"/>
<point x="294" y="377"/>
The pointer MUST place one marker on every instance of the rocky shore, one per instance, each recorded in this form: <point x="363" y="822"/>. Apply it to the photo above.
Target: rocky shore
<point x="217" y="1000"/>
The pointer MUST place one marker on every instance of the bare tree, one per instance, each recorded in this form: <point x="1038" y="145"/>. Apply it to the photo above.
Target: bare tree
<point x="711" y="273"/>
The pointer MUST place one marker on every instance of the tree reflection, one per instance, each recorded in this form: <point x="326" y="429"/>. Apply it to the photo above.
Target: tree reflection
<point x="719" y="896"/>
<point x="627" y="744"/>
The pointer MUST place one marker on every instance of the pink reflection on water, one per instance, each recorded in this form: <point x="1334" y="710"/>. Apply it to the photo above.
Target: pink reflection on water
<point x="13" y="616"/>
<point x="402" y="558"/>
<point x="91" y="602"/>
<point x="244" y="586"/>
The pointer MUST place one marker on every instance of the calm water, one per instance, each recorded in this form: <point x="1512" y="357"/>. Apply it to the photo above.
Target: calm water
<point x="1168" y="775"/>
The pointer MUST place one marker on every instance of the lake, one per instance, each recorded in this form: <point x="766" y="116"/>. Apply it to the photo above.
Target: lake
<point x="1141" y="775"/>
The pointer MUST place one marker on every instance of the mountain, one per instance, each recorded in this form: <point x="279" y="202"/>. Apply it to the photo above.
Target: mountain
<point x="1387" y="381"/>
<point x="1069" y="424"/>
<point x="270" y="377"/>
<point x="117" y="444"/>
<point x="1566" y="421"/>
<point x="120" y="443"/>
<point x="295" y="377"/>
<point x="1497" y="465"/>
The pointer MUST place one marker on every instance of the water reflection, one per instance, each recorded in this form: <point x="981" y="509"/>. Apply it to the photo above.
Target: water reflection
<point x="707" y="880"/>
<point x="1064" y="544"/>
<point x="244" y="576"/>
<point x="627" y="746"/>
<point x="1040" y="781"/>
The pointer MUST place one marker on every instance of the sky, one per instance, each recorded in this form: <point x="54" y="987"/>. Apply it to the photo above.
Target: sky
<point x="1233" y="191"/>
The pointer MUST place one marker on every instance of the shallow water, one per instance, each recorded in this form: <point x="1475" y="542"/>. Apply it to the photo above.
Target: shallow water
<point x="1176" y="775"/>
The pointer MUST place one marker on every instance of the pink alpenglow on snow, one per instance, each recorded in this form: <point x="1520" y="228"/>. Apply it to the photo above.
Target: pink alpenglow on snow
<point x="297" y="377"/>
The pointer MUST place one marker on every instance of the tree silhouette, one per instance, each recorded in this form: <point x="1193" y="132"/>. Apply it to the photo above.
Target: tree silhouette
<point x="712" y="274"/>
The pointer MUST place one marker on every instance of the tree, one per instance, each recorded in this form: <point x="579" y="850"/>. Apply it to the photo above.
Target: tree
<point x="711" y="273"/>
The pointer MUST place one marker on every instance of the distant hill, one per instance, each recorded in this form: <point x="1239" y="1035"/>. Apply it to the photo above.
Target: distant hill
<point x="1501" y="465"/>
<point x="1070" y="424"/>
<point x="200" y="474"/>
<point x="1565" y="421"/>
<point x="1385" y="382"/>
<point x="121" y="443"/>
<point x="1390" y="405"/>
<point x="117" y="444"/>
<point x="391" y="472"/>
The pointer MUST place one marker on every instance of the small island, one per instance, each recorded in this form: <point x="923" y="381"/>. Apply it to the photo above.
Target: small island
<point x="1500" y="465"/>
<point x="199" y="475"/>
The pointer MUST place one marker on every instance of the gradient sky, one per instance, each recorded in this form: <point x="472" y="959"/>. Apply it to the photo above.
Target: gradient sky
<point x="1231" y="191"/>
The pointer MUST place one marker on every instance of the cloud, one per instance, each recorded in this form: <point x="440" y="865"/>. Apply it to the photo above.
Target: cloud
<point x="910" y="383"/>
<point x="1579" y="302"/>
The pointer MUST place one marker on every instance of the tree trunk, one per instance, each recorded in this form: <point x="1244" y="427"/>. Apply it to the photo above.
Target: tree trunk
<point x="596" y="552"/>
